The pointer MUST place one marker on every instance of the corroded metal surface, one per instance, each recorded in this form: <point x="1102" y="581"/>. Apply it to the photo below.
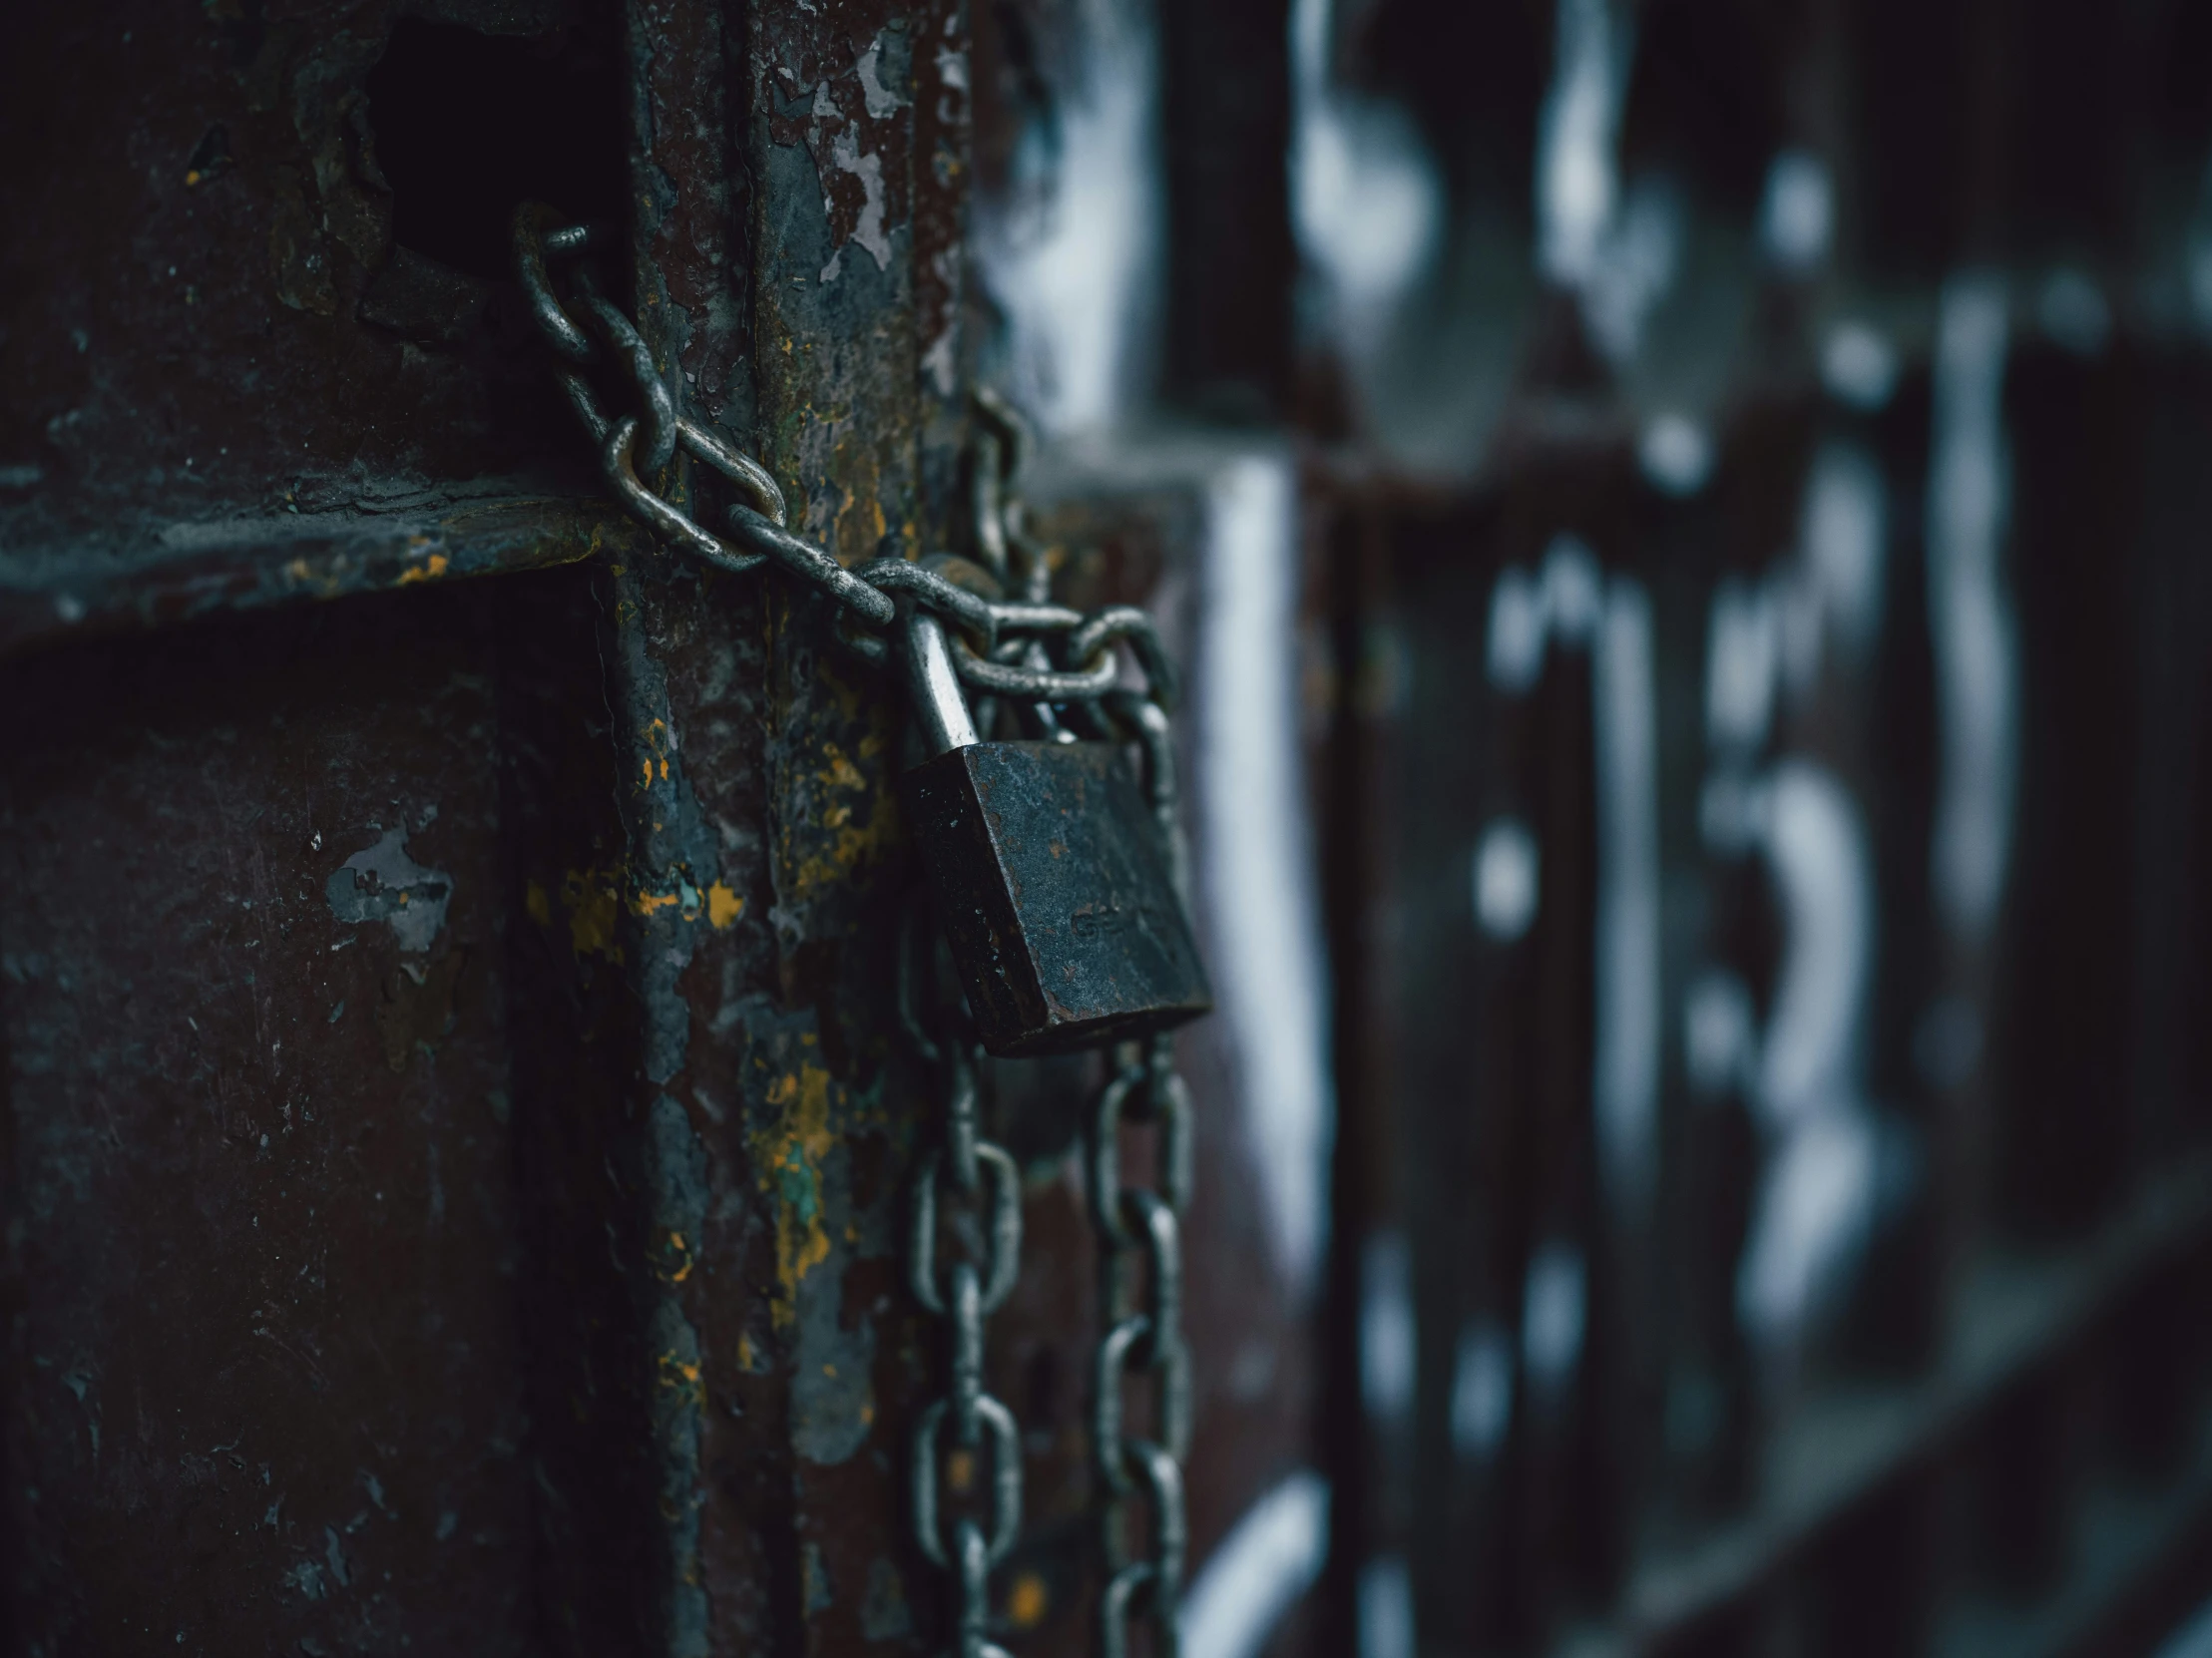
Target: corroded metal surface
<point x="199" y="569"/>
<point x="223" y="219"/>
<point x="264" y="1375"/>
<point x="762" y="856"/>
<point x="560" y="1309"/>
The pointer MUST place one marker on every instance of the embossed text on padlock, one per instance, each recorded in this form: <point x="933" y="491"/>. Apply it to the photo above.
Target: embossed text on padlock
<point x="1050" y="884"/>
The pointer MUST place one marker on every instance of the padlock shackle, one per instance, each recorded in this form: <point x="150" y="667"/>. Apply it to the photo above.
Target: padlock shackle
<point x="934" y="683"/>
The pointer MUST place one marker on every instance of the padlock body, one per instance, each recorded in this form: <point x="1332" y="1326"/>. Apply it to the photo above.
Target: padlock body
<point x="1054" y="893"/>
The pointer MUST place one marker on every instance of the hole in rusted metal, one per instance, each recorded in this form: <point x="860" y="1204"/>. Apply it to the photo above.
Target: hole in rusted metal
<point x="469" y="123"/>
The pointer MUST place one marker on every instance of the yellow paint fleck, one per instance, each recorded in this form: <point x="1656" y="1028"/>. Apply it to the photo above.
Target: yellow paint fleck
<point x="650" y="903"/>
<point x="830" y="1370"/>
<point x="589" y="897"/>
<point x="534" y="899"/>
<point x="744" y="1352"/>
<point x="790" y="1158"/>
<point x="681" y="1377"/>
<point x="838" y="772"/>
<point x="853" y="846"/>
<point x="723" y="906"/>
<point x="428" y="570"/>
<point x="655" y="736"/>
<point x="1028" y="1601"/>
<point x="192" y="176"/>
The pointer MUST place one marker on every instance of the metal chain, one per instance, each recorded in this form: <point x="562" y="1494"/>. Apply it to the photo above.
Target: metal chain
<point x="1138" y="1481"/>
<point x="969" y="1169"/>
<point x="1140" y="1312"/>
<point x="1021" y="646"/>
<point x="1055" y="670"/>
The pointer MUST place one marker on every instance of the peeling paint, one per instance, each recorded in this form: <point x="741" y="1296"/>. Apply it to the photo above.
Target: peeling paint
<point x="382" y="883"/>
<point x="881" y="102"/>
<point x="845" y="151"/>
<point x="790" y="1158"/>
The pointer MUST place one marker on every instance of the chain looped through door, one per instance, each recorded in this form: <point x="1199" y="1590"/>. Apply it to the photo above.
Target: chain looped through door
<point x="1059" y="668"/>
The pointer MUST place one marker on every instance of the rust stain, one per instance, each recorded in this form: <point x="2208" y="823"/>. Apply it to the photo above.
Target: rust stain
<point x="789" y="1158"/>
<point x="851" y="846"/>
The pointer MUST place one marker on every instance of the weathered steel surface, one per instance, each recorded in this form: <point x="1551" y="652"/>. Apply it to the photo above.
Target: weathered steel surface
<point x="762" y="871"/>
<point x="598" y="1338"/>
<point x="264" y="1381"/>
<point x="196" y="568"/>
<point x="222" y="216"/>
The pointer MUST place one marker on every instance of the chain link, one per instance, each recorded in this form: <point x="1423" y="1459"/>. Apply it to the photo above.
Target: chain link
<point x="1140" y="1279"/>
<point x="967" y="1168"/>
<point x="1009" y="640"/>
<point x="1058" y="671"/>
<point x="1141" y="1310"/>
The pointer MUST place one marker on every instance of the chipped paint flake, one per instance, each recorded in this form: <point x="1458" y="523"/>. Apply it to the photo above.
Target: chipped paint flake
<point x="382" y="883"/>
<point x="870" y="232"/>
<point x="882" y="101"/>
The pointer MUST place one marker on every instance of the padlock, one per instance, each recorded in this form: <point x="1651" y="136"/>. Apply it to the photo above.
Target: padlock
<point x="1049" y="881"/>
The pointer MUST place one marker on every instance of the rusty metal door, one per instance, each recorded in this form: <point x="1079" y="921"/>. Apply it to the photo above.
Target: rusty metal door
<point x="457" y="1125"/>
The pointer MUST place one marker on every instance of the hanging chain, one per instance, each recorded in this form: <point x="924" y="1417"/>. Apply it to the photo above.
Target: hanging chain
<point x="1052" y="671"/>
<point x="984" y="1177"/>
<point x="1141" y="1478"/>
